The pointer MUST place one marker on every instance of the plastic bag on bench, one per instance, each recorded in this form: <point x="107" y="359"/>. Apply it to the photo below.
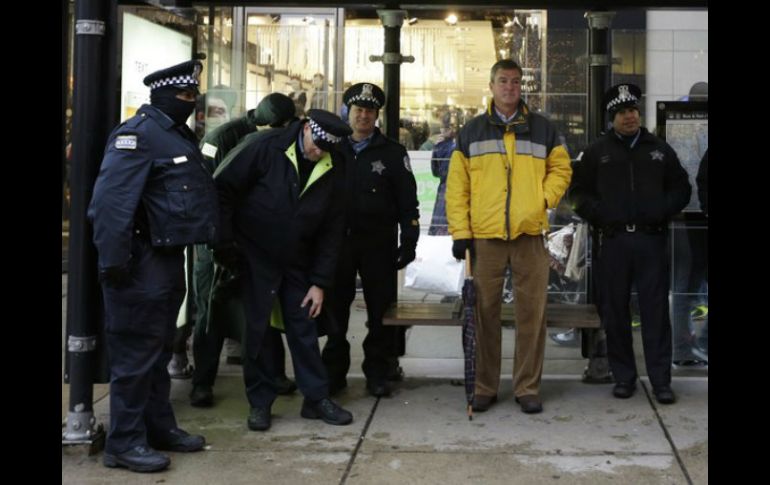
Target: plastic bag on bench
<point x="434" y="269"/>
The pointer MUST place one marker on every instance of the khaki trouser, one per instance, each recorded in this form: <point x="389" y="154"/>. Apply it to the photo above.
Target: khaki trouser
<point x="528" y="259"/>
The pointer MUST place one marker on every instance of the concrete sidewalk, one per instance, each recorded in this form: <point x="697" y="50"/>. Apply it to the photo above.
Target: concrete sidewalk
<point x="421" y="435"/>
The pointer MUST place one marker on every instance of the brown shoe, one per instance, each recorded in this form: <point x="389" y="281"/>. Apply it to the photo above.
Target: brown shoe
<point x="482" y="403"/>
<point x="530" y="403"/>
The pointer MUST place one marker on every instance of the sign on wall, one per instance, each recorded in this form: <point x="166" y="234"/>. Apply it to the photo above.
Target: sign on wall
<point x="147" y="47"/>
<point x="685" y="126"/>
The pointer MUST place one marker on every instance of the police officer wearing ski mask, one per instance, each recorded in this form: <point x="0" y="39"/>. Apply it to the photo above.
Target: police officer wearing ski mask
<point x="152" y="197"/>
<point x="381" y="197"/>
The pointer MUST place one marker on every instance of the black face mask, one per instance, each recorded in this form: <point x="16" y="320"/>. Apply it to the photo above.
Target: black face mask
<point x="164" y="98"/>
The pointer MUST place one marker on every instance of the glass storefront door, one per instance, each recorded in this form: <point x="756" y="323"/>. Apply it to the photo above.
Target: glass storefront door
<point x="291" y="51"/>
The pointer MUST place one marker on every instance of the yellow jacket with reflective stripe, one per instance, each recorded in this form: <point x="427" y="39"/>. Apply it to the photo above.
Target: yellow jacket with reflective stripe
<point x="503" y="176"/>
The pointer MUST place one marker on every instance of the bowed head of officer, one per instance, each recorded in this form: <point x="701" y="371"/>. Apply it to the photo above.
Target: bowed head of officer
<point x="152" y="197"/>
<point x="282" y="217"/>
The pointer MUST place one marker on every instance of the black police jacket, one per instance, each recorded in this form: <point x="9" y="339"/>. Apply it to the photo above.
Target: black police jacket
<point x="381" y="190"/>
<point x="152" y="180"/>
<point x="262" y="204"/>
<point x="613" y="185"/>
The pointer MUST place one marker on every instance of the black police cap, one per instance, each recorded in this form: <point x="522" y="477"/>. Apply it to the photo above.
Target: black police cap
<point x="367" y="95"/>
<point x="622" y="96"/>
<point x="275" y="109"/>
<point x="184" y="75"/>
<point x="326" y="128"/>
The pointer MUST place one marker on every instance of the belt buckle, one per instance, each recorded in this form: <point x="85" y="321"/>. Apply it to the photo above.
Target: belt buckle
<point x="630" y="227"/>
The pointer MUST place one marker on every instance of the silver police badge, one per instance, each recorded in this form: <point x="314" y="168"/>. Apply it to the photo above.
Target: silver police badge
<point x="378" y="167"/>
<point x="656" y="155"/>
<point x="366" y="92"/>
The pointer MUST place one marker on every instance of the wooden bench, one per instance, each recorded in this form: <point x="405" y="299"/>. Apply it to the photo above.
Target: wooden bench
<point x="429" y="313"/>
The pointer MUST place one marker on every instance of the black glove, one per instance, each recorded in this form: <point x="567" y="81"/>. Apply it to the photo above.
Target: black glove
<point x="459" y="246"/>
<point x="227" y="255"/>
<point x="404" y="256"/>
<point x="226" y="287"/>
<point x="116" y="276"/>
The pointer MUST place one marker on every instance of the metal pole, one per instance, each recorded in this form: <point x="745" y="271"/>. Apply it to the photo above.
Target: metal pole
<point x="594" y="341"/>
<point x="599" y="65"/>
<point x="392" y="59"/>
<point x="88" y="136"/>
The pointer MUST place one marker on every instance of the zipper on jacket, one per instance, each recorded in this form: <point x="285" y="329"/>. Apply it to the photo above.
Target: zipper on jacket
<point x="508" y="203"/>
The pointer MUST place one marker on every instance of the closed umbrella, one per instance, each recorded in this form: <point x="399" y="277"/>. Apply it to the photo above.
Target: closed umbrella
<point x="469" y="333"/>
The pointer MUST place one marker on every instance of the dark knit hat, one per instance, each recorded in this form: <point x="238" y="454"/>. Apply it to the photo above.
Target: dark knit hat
<point x="275" y="109"/>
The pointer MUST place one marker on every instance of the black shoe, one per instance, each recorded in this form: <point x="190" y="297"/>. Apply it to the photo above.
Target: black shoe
<point x="234" y="360"/>
<point x="177" y="440"/>
<point x="664" y="395"/>
<point x="530" y="404"/>
<point x="285" y="386"/>
<point x="336" y="386"/>
<point x="326" y="409"/>
<point x="202" y="397"/>
<point x="624" y="390"/>
<point x="259" y="419"/>
<point x="137" y="459"/>
<point x="378" y="388"/>
<point x="482" y="403"/>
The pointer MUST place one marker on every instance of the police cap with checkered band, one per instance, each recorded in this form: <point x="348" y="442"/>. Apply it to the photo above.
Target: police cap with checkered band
<point x="622" y="96"/>
<point x="183" y="76"/>
<point x="327" y="129"/>
<point x="367" y="95"/>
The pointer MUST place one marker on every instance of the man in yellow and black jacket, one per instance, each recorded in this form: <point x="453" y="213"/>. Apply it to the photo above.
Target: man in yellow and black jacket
<point x="509" y="166"/>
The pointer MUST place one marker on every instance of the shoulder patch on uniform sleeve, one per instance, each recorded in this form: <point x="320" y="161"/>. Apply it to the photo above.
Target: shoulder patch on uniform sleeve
<point x="406" y="163"/>
<point x="209" y="150"/>
<point x="125" y="142"/>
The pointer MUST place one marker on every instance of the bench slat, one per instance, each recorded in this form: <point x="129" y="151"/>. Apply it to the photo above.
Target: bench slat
<point x="429" y="313"/>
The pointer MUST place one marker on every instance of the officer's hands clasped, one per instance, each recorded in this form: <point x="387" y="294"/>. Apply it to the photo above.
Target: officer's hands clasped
<point x="404" y="256"/>
<point x="460" y="245"/>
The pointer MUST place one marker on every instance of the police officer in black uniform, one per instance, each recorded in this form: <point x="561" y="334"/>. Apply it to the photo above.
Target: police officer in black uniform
<point x="628" y="184"/>
<point x="381" y="195"/>
<point x="220" y="312"/>
<point x="153" y="196"/>
<point x="282" y="222"/>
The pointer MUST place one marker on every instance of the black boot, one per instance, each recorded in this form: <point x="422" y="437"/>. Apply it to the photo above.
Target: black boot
<point x="327" y="410"/>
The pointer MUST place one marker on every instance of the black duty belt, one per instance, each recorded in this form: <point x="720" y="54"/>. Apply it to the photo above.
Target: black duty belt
<point x="644" y="228"/>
